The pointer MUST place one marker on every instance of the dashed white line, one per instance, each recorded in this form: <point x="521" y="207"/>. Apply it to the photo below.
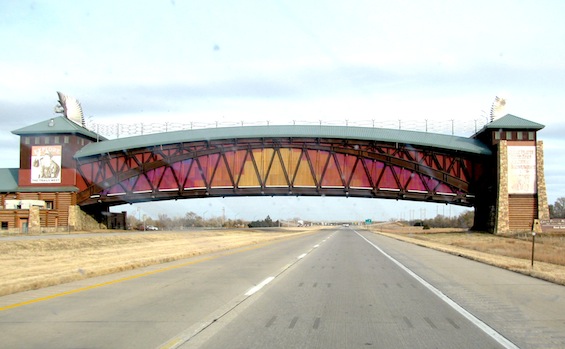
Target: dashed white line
<point x="262" y="284"/>
<point x="189" y="333"/>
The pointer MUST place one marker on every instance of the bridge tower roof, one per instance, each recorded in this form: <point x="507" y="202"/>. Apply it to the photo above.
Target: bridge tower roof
<point x="57" y="125"/>
<point x="513" y="122"/>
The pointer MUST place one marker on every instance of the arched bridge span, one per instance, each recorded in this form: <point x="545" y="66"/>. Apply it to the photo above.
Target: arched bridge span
<point x="282" y="160"/>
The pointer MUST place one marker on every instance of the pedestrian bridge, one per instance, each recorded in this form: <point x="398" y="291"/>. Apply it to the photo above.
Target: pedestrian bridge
<point x="498" y="171"/>
<point x="293" y="160"/>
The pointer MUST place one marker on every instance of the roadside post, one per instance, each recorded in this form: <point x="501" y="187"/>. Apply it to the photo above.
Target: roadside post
<point x="537" y="228"/>
<point x="533" y="246"/>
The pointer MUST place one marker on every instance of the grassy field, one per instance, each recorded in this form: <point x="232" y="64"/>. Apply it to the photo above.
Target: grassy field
<point x="35" y="263"/>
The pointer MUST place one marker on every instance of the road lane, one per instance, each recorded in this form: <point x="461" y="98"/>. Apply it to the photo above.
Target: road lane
<point x="329" y="290"/>
<point x="344" y="294"/>
<point x="146" y="311"/>
<point x="528" y="311"/>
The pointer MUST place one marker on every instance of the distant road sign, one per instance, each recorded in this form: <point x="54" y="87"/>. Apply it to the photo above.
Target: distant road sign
<point x="552" y="225"/>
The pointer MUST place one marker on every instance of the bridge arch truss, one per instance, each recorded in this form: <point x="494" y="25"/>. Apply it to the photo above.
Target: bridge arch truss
<point x="307" y="166"/>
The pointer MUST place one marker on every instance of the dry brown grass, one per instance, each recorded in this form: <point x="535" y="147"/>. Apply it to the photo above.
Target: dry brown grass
<point x="509" y="252"/>
<point x="32" y="264"/>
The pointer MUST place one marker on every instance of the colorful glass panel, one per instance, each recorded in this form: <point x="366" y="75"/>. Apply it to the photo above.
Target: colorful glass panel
<point x="168" y="180"/>
<point x="248" y="175"/>
<point x="195" y="178"/>
<point x="221" y="174"/>
<point x="359" y="177"/>
<point x="142" y="184"/>
<point x="332" y="177"/>
<point x="303" y="176"/>
<point x="387" y="179"/>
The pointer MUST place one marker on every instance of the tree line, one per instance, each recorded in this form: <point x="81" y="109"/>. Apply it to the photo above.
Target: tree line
<point x="557" y="210"/>
<point x="193" y="220"/>
<point x="464" y="220"/>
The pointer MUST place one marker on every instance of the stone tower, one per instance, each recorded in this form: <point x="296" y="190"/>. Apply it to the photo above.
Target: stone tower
<point x="513" y="193"/>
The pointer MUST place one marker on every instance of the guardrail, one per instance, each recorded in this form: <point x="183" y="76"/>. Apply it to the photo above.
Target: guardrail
<point x="451" y="126"/>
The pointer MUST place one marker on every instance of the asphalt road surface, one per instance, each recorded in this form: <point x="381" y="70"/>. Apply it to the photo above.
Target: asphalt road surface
<point x="339" y="288"/>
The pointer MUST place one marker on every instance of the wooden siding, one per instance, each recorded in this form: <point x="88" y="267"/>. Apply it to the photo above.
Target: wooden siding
<point x="522" y="212"/>
<point x="55" y="217"/>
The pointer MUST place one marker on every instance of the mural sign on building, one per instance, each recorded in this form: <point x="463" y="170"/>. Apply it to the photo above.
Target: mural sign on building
<point x="46" y="164"/>
<point x="522" y="170"/>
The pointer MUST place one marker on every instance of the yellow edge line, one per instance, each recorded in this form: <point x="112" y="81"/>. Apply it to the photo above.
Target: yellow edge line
<point x="86" y="288"/>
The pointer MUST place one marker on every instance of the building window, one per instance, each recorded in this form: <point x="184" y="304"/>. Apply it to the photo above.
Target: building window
<point x="66" y="139"/>
<point x="26" y="140"/>
<point x="4" y="225"/>
<point x="35" y="140"/>
<point x="508" y="135"/>
<point x="519" y="135"/>
<point x="45" y="140"/>
<point x="56" y="140"/>
<point x="497" y="135"/>
<point x="531" y="136"/>
<point x="49" y="204"/>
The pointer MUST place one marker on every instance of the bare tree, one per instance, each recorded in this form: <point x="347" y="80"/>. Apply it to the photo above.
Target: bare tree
<point x="557" y="210"/>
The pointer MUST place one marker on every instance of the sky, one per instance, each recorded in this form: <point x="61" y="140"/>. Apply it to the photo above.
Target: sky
<point x="305" y="61"/>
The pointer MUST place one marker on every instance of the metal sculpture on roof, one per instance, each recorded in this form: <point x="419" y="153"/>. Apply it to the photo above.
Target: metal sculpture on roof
<point x="498" y="108"/>
<point x="70" y="108"/>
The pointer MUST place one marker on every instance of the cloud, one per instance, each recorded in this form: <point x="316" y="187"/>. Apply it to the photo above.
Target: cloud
<point x="300" y="84"/>
<point x="16" y="114"/>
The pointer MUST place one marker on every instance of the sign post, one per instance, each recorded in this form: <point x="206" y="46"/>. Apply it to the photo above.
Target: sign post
<point x="533" y="246"/>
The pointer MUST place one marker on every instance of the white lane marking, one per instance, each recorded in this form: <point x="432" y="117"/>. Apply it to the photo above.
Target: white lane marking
<point x="186" y="335"/>
<point x="476" y="321"/>
<point x="262" y="284"/>
<point x="271" y="278"/>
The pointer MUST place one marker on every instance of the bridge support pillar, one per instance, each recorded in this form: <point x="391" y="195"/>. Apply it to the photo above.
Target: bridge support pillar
<point x="34" y="220"/>
<point x="543" y="204"/>
<point x="522" y="193"/>
<point x="485" y="210"/>
<point x="502" y="217"/>
<point x="80" y="220"/>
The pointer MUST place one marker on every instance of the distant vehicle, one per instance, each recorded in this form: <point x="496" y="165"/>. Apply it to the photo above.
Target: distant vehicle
<point x="346" y="224"/>
<point x="147" y="227"/>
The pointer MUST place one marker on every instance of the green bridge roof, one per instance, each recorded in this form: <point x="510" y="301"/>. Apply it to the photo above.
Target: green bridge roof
<point x="423" y="139"/>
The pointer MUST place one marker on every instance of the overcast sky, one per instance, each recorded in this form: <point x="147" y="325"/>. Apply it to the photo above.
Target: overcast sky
<point x="232" y="61"/>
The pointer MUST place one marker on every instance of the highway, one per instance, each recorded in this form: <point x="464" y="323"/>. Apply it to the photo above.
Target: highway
<point x="340" y="288"/>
